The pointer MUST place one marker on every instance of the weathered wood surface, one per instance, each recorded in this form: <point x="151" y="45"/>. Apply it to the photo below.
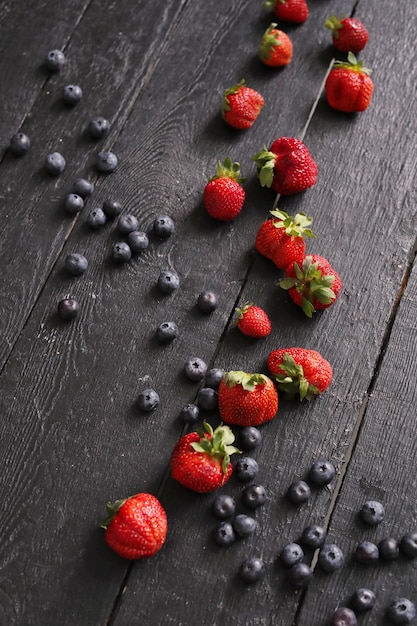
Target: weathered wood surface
<point x="71" y="437"/>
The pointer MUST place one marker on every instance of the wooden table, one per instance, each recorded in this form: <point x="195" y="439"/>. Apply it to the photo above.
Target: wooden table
<point x="72" y="437"/>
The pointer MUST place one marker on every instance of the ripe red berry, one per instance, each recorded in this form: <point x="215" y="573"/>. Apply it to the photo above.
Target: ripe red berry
<point x="253" y="321"/>
<point x="348" y="86"/>
<point x="224" y="195"/>
<point x="348" y="34"/>
<point x="241" y="106"/>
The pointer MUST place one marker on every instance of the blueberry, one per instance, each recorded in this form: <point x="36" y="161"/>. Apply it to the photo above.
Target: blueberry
<point x="331" y="557"/>
<point x="98" y="127"/>
<point x="167" y="332"/>
<point x="223" y="506"/>
<point x="401" y="611"/>
<point x="72" y="94"/>
<point x="148" y="400"/>
<point x="322" y="473"/>
<point x="389" y="549"/>
<point x="244" y="525"/>
<point x="366" y="553"/>
<point x="313" y="536"/>
<point x="68" y="308"/>
<point x="363" y="600"/>
<point x="55" y="163"/>
<point x="372" y="512"/>
<point x="19" y="144"/>
<point x="299" y="575"/>
<point x="195" y="368"/>
<point x="343" y="616"/>
<point x="138" y="241"/>
<point x="252" y="569"/>
<point x="189" y="413"/>
<point x="112" y="208"/>
<point x="246" y="469"/>
<point x="254" y="496"/>
<point x="83" y="188"/>
<point x="214" y="377"/>
<point x="224" y="534"/>
<point x="163" y="226"/>
<point x="121" y="252"/>
<point x="168" y="281"/>
<point x="106" y="162"/>
<point x="55" y="60"/>
<point x="249" y="438"/>
<point x="207" y="399"/>
<point x="291" y="554"/>
<point x="76" y="264"/>
<point x="96" y="218"/>
<point x="73" y="203"/>
<point x="207" y="302"/>
<point x="408" y="544"/>
<point x="127" y="223"/>
<point x="298" y="492"/>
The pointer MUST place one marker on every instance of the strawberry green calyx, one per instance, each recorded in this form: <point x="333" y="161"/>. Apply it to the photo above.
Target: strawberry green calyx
<point x="334" y="24"/>
<point x="112" y="509"/>
<point x="228" y="169"/>
<point x="217" y="443"/>
<point x="270" y="40"/>
<point x="297" y="226"/>
<point x="241" y="311"/>
<point x="246" y="380"/>
<point x="265" y="161"/>
<point x="312" y="284"/>
<point x="230" y="92"/>
<point x="353" y="64"/>
<point x="293" y="381"/>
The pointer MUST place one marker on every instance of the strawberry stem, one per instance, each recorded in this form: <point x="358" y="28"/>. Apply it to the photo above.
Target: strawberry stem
<point x="217" y="443"/>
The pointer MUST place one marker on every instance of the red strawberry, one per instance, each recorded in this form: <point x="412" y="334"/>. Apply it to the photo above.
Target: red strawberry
<point x="298" y="371"/>
<point x="281" y="239"/>
<point x="287" y="167"/>
<point x="313" y="286"/>
<point x="241" y="105"/>
<point x="348" y="86"/>
<point x="224" y="196"/>
<point x="295" y="11"/>
<point x="276" y="47"/>
<point x="247" y="399"/>
<point x="348" y="34"/>
<point x="201" y="461"/>
<point x="253" y="321"/>
<point x="136" y="527"/>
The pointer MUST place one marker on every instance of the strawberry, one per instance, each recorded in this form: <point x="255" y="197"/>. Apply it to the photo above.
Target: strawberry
<point x="287" y="167"/>
<point x="253" y="321"/>
<point x="136" y="527"/>
<point x="247" y="399"/>
<point x="348" y="34"/>
<point x="276" y="47"/>
<point x="281" y="239"/>
<point x="298" y="371"/>
<point x="313" y="286"/>
<point x="201" y="461"/>
<point x="224" y="195"/>
<point x="241" y="105"/>
<point x="348" y="86"/>
<point x="295" y="11"/>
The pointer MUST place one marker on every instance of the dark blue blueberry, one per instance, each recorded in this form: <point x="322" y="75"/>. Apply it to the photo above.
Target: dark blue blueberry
<point x="207" y="302"/>
<point x="127" y="223"/>
<point x="121" y="252"/>
<point x="55" y="60"/>
<point x="163" y="226"/>
<point x="389" y="549"/>
<point x="246" y="469"/>
<point x="207" y="399"/>
<point x="298" y="492"/>
<point x="343" y="616"/>
<point x="249" y="438"/>
<point x="313" y="536"/>
<point x="167" y="332"/>
<point x="76" y="264"/>
<point x="148" y="400"/>
<point x="138" y="241"/>
<point x="106" y="162"/>
<point x="408" y="544"/>
<point x="299" y="575"/>
<point x="401" y="611"/>
<point x="68" y="308"/>
<point x="195" y="368"/>
<point x="189" y="413"/>
<point x="83" y="188"/>
<point x="254" y="496"/>
<point x="223" y="506"/>
<point x="213" y="377"/>
<point x="363" y="600"/>
<point x="372" y="512"/>
<point x="73" y="203"/>
<point x="252" y="570"/>
<point x="112" y="208"/>
<point x="96" y="218"/>
<point x="291" y="554"/>
<point x="168" y="281"/>
<point x="366" y="553"/>
<point x="72" y="94"/>
<point x="244" y="525"/>
<point x="224" y="534"/>
<point x="98" y="127"/>
<point x="331" y="557"/>
<point x="55" y="163"/>
<point x="19" y="144"/>
<point x="322" y="473"/>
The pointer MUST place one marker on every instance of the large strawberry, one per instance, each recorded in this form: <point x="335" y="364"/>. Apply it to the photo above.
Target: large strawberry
<point x="224" y="195"/>
<point x="201" y="460"/>
<point x="247" y="399"/>
<point x="314" y="285"/>
<point x="241" y="105"/>
<point x="348" y="86"/>
<point x="253" y="321"/>
<point x="287" y="167"/>
<point x="298" y="371"/>
<point x="276" y="47"/>
<point x="281" y="239"/>
<point x="295" y="11"/>
<point x="136" y="527"/>
<point x="348" y="34"/>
